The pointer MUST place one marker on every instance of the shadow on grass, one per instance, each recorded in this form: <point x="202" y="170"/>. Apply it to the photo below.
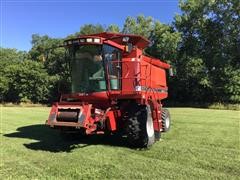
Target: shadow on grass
<point x="52" y="140"/>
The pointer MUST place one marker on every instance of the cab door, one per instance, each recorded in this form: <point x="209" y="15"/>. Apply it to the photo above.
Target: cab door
<point x="112" y="61"/>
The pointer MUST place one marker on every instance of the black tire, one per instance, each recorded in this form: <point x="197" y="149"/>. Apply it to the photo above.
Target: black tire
<point x="166" y="120"/>
<point x="139" y="129"/>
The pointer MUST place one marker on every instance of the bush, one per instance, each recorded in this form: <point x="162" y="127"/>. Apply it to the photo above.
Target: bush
<point x="26" y="81"/>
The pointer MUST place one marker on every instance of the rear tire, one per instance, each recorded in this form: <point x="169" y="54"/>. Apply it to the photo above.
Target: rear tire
<point x="166" y="120"/>
<point x="140" y="131"/>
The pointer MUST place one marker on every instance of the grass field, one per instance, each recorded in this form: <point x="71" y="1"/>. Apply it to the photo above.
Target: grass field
<point x="202" y="144"/>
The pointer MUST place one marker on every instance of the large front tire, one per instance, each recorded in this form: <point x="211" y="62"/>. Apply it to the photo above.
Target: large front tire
<point x="140" y="130"/>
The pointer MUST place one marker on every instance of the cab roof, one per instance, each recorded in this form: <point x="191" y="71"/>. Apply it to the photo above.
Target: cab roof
<point x="136" y="40"/>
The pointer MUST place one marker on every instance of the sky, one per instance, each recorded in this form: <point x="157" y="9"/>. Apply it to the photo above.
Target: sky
<point x="22" y="18"/>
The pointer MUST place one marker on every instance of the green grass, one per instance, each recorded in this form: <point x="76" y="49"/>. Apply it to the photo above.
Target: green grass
<point x="202" y="144"/>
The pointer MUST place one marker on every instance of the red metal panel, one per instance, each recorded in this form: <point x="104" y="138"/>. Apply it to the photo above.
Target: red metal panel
<point x="158" y="77"/>
<point x="130" y="74"/>
<point x="111" y="123"/>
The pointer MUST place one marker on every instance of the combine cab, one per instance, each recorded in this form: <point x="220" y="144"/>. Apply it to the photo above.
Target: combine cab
<point x="115" y="88"/>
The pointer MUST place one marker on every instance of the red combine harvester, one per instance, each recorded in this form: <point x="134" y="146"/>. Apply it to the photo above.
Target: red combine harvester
<point x="115" y="89"/>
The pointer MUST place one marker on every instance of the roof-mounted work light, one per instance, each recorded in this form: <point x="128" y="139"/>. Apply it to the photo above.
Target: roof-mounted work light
<point x="89" y="40"/>
<point x="125" y="39"/>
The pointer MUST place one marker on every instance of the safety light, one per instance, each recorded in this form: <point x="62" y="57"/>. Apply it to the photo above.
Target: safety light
<point x="89" y="40"/>
<point x="96" y="40"/>
<point x="125" y="39"/>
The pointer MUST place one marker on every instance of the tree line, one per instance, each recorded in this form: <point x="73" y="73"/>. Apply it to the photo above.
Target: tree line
<point x="202" y="44"/>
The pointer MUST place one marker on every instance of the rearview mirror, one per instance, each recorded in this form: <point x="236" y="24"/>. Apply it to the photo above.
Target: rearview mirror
<point x="171" y="74"/>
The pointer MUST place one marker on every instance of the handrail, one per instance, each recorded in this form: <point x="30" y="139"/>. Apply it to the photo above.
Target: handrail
<point x="138" y="77"/>
<point x="141" y="65"/>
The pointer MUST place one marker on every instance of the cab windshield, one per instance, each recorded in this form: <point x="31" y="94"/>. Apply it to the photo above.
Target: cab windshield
<point x="88" y="65"/>
<point x="87" y="70"/>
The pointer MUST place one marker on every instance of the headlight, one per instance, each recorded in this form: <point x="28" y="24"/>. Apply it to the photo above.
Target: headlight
<point x="96" y="40"/>
<point x="89" y="40"/>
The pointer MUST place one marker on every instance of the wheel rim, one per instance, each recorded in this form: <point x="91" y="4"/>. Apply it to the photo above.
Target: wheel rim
<point x="167" y="122"/>
<point x="150" y="128"/>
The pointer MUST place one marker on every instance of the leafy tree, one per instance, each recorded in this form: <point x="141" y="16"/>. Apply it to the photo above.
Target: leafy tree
<point x="28" y="81"/>
<point x="210" y="31"/>
<point x="3" y="84"/>
<point x="164" y="39"/>
<point x="91" y="29"/>
<point x="164" y="42"/>
<point x="113" y="28"/>
<point x="7" y="57"/>
<point x="41" y="45"/>
<point x="47" y="51"/>
<point x="140" y="26"/>
<point x="8" y="54"/>
<point x="229" y="89"/>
